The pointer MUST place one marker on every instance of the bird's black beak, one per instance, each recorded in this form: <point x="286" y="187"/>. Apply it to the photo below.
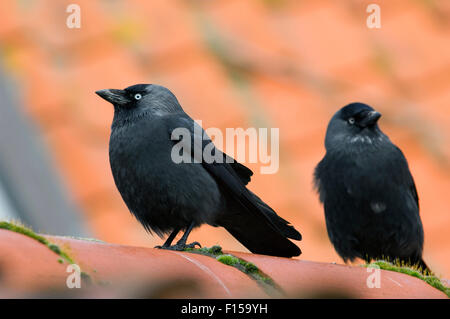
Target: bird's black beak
<point x="370" y="119"/>
<point x="116" y="97"/>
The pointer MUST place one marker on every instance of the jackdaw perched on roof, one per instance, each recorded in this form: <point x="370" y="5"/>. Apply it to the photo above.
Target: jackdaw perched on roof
<point x="369" y="196"/>
<point x="167" y="196"/>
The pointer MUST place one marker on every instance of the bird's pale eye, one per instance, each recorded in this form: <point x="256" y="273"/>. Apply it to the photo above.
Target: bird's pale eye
<point x="351" y="121"/>
<point x="137" y="96"/>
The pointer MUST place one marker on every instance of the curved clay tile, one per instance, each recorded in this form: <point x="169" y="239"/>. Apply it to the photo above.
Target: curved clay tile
<point x="30" y="268"/>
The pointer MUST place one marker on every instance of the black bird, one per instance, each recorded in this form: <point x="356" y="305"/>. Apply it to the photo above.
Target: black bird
<point x="167" y="196"/>
<point x="369" y="196"/>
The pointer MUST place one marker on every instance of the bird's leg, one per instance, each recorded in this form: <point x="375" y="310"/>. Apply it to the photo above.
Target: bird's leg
<point x="181" y="244"/>
<point x="170" y="239"/>
<point x="183" y="239"/>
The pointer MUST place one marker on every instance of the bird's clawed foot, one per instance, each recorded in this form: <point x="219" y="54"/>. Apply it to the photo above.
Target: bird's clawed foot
<point x="192" y="245"/>
<point x="180" y="246"/>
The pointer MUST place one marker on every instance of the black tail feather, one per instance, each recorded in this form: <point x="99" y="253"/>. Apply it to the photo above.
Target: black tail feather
<point x="260" y="237"/>
<point x="261" y="230"/>
<point x="281" y="224"/>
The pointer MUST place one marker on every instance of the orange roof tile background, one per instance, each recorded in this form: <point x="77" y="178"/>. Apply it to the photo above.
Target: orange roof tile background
<point x="273" y="63"/>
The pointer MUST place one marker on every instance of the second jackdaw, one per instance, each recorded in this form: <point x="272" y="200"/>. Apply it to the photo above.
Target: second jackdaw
<point x="168" y="196"/>
<point x="369" y="196"/>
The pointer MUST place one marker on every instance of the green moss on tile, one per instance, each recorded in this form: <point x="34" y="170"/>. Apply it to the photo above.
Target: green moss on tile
<point x="55" y="248"/>
<point x="246" y="267"/>
<point x="411" y="271"/>
<point x="241" y="264"/>
<point x="214" y="251"/>
<point x="249" y="267"/>
<point x="228" y="260"/>
<point x="253" y="271"/>
<point x="21" y="229"/>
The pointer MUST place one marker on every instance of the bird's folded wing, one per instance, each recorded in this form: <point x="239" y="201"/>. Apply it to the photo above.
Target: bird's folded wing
<point x="232" y="176"/>
<point x="197" y="143"/>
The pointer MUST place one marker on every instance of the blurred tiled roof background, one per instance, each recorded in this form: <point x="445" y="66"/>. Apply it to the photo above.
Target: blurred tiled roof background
<point x="273" y="63"/>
